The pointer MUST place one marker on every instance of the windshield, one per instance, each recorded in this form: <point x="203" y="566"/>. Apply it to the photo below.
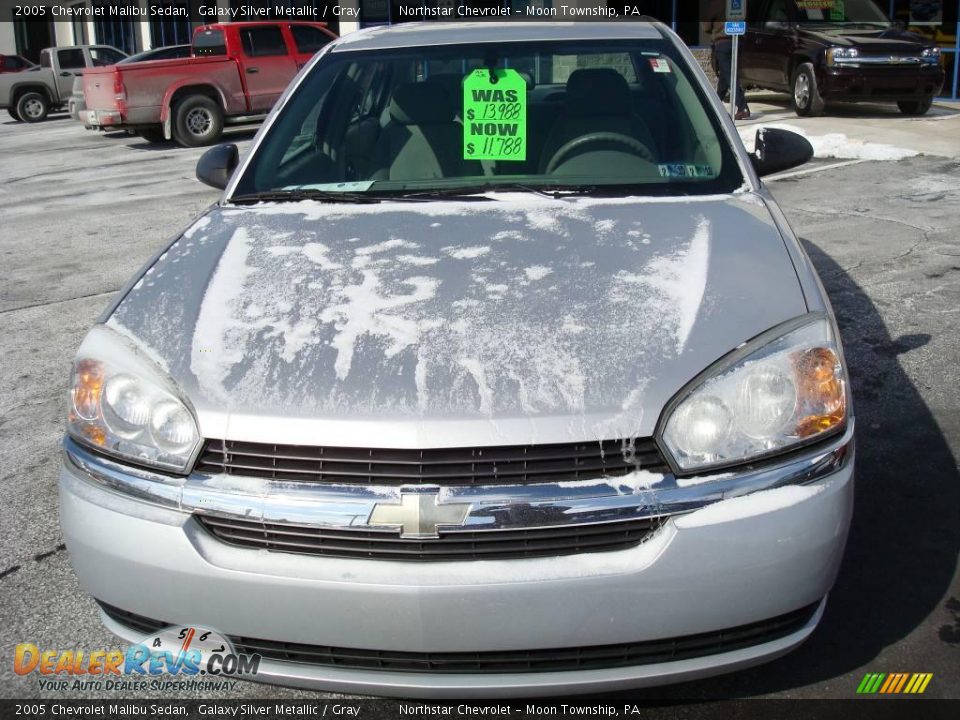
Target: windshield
<point x="609" y="117"/>
<point x="851" y="11"/>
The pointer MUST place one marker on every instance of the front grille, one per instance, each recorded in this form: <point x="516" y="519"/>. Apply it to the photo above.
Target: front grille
<point x="500" y="465"/>
<point x="459" y="545"/>
<point x="594" y="657"/>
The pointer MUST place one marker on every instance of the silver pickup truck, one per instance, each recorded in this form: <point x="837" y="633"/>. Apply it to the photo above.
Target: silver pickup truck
<point x="31" y="94"/>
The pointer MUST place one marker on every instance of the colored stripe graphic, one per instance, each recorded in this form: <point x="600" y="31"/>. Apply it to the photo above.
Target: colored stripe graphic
<point x="903" y="679"/>
<point x="894" y="683"/>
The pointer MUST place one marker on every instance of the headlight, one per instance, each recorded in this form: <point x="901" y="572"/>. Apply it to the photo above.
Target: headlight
<point x="122" y="404"/>
<point x="841" y="54"/>
<point x="763" y="399"/>
<point x="930" y="54"/>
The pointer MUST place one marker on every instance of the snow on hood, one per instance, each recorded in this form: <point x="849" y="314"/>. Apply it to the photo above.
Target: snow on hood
<point x="519" y="308"/>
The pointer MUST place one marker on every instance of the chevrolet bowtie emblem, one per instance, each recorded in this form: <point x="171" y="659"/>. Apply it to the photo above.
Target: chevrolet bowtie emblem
<point x="418" y="515"/>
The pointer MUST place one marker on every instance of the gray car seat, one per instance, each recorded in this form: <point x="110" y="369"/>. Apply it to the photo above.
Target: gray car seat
<point x="596" y="100"/>
<point x="422" y="138"/>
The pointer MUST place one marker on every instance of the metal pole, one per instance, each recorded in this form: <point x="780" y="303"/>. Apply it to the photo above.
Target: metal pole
<point x="956" y="60"/>
<point x="733" y="78"/>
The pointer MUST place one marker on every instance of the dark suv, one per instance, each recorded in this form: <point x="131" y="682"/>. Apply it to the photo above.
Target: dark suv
<point x="823" y="50"/>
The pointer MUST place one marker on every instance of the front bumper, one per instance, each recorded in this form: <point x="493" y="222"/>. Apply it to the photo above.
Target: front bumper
<point x="880" y="83"/>
<point x="725" y="565"/>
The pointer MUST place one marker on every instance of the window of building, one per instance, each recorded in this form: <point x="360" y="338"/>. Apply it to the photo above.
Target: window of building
<point x="170" y="32"/>
<point x="79" y="26"/>
<point x="32" y="36"/>
<point x="113" y="29"/>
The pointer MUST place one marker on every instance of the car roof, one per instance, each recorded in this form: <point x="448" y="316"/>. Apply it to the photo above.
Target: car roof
<point x="408" y="35"/>
<point x="81" y="47"/>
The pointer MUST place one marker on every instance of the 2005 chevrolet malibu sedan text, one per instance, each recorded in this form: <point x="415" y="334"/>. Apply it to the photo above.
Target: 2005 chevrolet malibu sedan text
<point x="496" y="371"/>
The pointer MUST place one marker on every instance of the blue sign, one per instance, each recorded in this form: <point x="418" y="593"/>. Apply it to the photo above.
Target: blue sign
<point x="734" y="28"/>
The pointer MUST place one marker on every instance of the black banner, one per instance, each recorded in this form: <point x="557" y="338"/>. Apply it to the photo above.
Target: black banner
<point x="368" y="709"/>
<point x="392" y="11"/>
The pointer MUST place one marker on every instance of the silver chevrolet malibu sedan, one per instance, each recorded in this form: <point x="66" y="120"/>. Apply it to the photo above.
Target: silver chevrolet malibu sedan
<point x="496" y="371"/>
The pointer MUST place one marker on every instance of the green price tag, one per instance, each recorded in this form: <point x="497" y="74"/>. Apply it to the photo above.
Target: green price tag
<point x="837" y="10"/>
<point x="494" y="115"/>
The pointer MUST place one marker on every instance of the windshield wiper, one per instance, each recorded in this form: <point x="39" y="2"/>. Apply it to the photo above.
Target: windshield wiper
<point x="296" y="195"/>
<point x="303" y="194"/>
<point x="457" y="193"/>
<point x="477" y="192"/>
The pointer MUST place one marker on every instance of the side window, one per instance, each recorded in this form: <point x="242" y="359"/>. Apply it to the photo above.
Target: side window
<point x="105" y="56"/>
<point x="70" y="59"/>
<point x="209" y="42"/>
<point x="309" y="39"/>
<point x="262" y="41"/>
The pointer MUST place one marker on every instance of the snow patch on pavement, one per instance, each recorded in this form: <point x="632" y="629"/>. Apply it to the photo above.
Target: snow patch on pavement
<point x="832" y="145"/>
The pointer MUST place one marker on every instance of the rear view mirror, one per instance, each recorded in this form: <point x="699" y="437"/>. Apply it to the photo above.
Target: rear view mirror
<point x="217" y="164"/>
<point x="776" y="150"/>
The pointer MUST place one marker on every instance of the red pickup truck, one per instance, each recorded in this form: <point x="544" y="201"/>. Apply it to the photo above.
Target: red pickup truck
<point x="235" y="74"/>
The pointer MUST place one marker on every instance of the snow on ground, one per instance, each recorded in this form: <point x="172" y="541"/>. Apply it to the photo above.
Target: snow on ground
<point x="832" y="145"/>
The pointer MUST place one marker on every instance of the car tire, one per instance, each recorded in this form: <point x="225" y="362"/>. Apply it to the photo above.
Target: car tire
<point x="806" y="93"/>
<point x="915" y="107"/>
<point x="32" y="107"/>
<point x="197" y="121"/>
<point x="12" y="112"/>
<point x="152" y="135"/>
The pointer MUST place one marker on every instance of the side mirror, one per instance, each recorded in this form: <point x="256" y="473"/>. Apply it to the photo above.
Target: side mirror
<point x="217" y="164"/>
<point x="776" y="150"/>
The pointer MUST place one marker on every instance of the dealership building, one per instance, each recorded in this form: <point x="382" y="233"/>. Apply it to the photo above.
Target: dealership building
<point x="171" y="22"/>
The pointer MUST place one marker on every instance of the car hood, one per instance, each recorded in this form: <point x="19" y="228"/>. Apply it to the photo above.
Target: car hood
<point x="872" y="41"/>
<point x="527" y="319"/>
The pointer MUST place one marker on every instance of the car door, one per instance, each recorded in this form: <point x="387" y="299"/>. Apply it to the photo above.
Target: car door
<point x="70" y="63"/>
<point x="768" y="46"/>
<point x="267" y="63"/>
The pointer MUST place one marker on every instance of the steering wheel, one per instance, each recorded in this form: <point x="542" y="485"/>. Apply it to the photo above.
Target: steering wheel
<point x="596" y="138"/>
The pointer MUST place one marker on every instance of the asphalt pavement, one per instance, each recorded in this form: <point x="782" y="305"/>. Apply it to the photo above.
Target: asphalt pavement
<point x="80" y="212"/>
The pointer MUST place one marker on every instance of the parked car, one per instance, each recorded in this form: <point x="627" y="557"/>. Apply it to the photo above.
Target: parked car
<point x="237" y="72"/>
<point x="849" y="53"/>
<point x="170" y="52"/>
<point x="495" y="371"/>
<point x="32" y="94"/>
<point x="14" y="63"/>
<point x="78" y="103"/>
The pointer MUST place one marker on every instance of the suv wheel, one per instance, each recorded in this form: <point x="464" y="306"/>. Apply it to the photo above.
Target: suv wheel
<point x="198" y="120"/>
<point x="915" y="107"/>
<point x="32" y="107"/>
<point x="806" y="93"/>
